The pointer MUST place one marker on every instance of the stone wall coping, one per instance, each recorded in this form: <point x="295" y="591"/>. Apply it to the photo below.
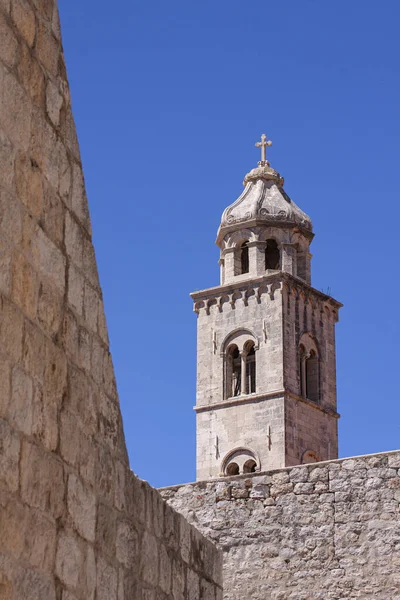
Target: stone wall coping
<point x="259" y="474"/>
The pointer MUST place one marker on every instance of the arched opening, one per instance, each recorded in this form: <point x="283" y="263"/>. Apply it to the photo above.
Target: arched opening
<point x="309" y="365"/>
<point x="244" y="257"/>
<point x="312" y="377"/>
<point x="234" y="373"/>
<point x="272" y="256"/>
<point x="302" y="357"/>
<point x="239" y="461"/>
<point x="232" y="469"/>
<point x="310" y="457"/>
<point x="250" y="369"/>
<point x="250" y="466"/>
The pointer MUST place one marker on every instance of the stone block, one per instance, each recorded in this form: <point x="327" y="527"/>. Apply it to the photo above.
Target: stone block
<point x="24" y="19"/>
<point x="40" y="548"/>
<point x="31" y="77"/>
<point x="31" y="584"/>
<point x="8" y="43"/>
<point x="178" y="580"/>
<point x="10" y="217"/>
<point x="91" y="304"/>
<point x="74" y="239"/>
<point x="28" y="183"/>
<point x="394" y="461"/>
<point x="9" y="456"/>
<point x="13" y="525"/>
<point x="47" y="48"/>
<point x="280" y="489"/>
<point x="7" y="162"/>
<point x="127" y="545"/>
<point x="299" y="475"/>
<point x="53" y="215"/>
<point x="80" y="400"/>
<point x="21" y="407"/>
<point x="78" y="199"/>
<point x="5" y="387"/>
<point x="165" y="570"/>
<point x="50" y="304"/>
<point x="5" y="266"/>
<point x="304" y="488"/>
<point x="42" y="480"/>
<point x="54" y="102"/>
<point x="82" y="508"/>
<point x="76" y="283"/>
<point x="149" y="553"/>
<point x="45" y="257"/>
<point x="107" y="581"/>
<point x="34" y="352"/>
<point x="69" y="559"/>
<point x="25" y="286"/>
<point x="193" y="586"/>
<point x="17" y="106"/>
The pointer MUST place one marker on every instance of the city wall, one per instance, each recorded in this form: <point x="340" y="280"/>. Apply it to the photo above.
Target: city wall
<point x="326" y="531"/>
<point x="75" y="523"/>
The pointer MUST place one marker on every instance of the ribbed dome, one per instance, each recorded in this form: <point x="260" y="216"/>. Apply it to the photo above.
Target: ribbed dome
<point x="263" y="201"/>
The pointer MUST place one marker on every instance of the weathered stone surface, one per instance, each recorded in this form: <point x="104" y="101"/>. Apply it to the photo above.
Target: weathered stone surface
<point x="75" y="523"/>
<point x="303" y="542"/>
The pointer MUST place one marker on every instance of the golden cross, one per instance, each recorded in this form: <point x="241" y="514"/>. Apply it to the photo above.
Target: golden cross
<point x="263" y="145"/>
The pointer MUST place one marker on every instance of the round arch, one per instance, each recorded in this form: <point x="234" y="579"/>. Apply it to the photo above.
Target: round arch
<point x="240" y="456"/>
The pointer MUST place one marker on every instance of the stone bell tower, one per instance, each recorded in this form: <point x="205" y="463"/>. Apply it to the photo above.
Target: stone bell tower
<point x="266" y="366"/>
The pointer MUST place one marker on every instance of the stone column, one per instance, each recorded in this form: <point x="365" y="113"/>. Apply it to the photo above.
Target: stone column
<point x="221" y="263"/>
<point x="243" y="373"/>
<point x="258" y="249"/>
<point x="229" y="260"/>
<point x="289" y="258"/>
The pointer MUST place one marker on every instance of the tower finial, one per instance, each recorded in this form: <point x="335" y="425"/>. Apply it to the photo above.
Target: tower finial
<point x="263" y="145"/>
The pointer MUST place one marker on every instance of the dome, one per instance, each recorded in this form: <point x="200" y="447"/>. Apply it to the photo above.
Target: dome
<point x="263" y="202"/>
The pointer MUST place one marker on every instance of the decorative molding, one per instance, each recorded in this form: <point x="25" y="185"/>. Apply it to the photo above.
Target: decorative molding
<point x="258" y="287"/>
<point x="244" y="399"/>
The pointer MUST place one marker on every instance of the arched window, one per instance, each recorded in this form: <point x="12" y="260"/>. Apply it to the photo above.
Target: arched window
<point x="250" y="369"/>
<point x="302" y="356"/>
<point x="240" y="460"/>
<point x="312" y="377"/>
<point x="232" y="469"/>
<point x="234" y="372"/>
<point x="309" y="370"/>
<point x="272" y="256"/>
<point x="244" y="257"/>
<point x="250" y="466"/>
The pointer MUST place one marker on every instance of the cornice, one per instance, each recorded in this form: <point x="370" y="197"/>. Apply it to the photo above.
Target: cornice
<point x="266" y="284"/>
<point x="255" y="398"/>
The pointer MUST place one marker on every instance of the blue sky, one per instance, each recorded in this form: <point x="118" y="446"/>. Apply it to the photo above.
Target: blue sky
<point x="169" y="99"/>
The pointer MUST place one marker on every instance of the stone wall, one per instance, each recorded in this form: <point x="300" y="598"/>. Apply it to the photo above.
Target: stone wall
<point x="323" y="531"/>
<point x="75" y="523"/>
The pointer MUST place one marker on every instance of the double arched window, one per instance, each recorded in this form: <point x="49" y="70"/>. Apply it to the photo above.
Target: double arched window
<point x="240" y="460"/>
<point x="240" y="369"/>
<point x="309" y="369"/>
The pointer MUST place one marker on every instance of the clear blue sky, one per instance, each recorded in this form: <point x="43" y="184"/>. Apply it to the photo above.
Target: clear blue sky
<point x="169" y="98"/>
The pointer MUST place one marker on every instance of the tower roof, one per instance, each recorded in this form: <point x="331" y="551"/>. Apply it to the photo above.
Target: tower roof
<point x="263" y="201"/>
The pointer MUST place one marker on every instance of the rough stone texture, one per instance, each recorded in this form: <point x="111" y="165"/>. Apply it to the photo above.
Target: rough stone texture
<point x="323" y="531"/>
<point x="75" y="523"/>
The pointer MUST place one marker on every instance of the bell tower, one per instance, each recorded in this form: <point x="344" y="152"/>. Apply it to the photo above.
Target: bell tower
<point x="266" y="365"/>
